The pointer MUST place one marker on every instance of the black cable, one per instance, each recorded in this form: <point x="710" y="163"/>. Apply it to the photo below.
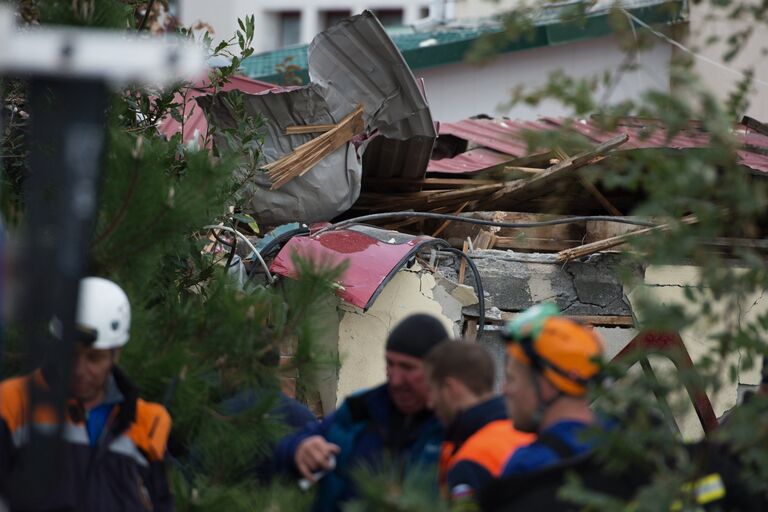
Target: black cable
<point x="478" y="285"/>
<point x="483" y="222"/>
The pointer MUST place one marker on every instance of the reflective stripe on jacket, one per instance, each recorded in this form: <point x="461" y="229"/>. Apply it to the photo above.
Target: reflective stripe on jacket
<point x="124" y="470"/>
<point x="478" y="443"/>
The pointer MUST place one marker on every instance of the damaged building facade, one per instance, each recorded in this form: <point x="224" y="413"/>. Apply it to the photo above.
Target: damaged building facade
<point x="358" y="146"/>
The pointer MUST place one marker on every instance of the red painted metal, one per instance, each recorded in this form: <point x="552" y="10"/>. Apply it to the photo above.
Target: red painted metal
<point x="195" y="123"/>
<point x="372" y="257"/>
<point x="470" y="161"/>
<point x="671" y="346"/>
<point x="505" y="136"/>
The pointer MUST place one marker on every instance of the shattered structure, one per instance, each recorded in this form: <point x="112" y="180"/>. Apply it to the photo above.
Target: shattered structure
<point x="360" y="140"/>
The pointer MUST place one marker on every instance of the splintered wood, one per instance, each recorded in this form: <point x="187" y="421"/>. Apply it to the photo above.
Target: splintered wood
<point x="309" y="154"/>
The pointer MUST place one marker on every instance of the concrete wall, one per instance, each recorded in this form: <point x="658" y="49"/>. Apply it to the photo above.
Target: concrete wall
<point x="451" y="89"/>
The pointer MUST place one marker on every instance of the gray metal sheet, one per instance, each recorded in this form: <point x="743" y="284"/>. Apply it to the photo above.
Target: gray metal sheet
<point x="326" y="191"/>
<point x="355" y="62"/>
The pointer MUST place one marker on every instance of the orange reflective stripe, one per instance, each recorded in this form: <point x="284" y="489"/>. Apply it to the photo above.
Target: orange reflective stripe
<point x="446" y="454"/>
<point x="150" y="429"/>
<point x="14" y="402"/>
<point x="491" y="446"/>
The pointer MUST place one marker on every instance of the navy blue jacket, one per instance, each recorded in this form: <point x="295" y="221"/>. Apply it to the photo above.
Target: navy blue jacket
<point x="367" y="427"/>
<point x="288" y="411"/>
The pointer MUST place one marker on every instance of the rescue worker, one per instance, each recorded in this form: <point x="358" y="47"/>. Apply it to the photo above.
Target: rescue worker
<point x="389" y="422"/>
<point x="115" y="441"/>
<point x="551" y="361"/>
<point x="479" y="437"/>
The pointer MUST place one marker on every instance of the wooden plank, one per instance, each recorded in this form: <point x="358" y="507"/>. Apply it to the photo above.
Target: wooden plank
<point x="470" y="333"/>
<point x="587" y="249"/>
<point x="445" y="224"/>
<point x="463" y="264"/>
<point x="306" y="156"/>
<point x="469" y="192"/>
<point x="523" y="189"/>
<point x="533" y="244"/>
<point x="604" y="202"/>
<point x="526" y="170"/>
<point x="427" y="183"/>
<point x="314" y="128"/>
<point x="484" y="240"/>
<point x="511" y="238"/>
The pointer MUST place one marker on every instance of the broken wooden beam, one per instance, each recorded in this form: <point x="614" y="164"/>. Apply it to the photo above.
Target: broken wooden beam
<point x="427" y="183"/>
<point x="522" y="189"/>
<point x="313" y="128"/>
<point x="306" y="156"/>
<point x="445" y="224"/>
<point x="602" y="245"/>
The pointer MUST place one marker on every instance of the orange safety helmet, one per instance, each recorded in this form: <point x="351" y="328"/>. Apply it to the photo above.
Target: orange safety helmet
<point x="564" y="352"/>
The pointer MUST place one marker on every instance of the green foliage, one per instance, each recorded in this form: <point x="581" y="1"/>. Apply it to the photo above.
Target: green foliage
<point x="386" y="489"/>
<point x="727" y="202"/>
<point x="196" y="338"/>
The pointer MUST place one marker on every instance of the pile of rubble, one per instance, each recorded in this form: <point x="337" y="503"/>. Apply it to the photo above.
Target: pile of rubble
<point x="505" y="217"/>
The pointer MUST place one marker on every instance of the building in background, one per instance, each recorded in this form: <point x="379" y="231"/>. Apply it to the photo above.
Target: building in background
<point x="292" y="22"/>
<point x="457" y="88"/>
<point x="704" y="21"/>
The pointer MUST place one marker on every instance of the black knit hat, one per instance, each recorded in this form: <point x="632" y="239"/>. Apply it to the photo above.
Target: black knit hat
<point x="417" y="335"/>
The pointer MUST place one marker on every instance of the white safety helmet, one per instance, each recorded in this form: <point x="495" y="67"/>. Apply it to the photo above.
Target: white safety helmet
<point x="103" y="313"/>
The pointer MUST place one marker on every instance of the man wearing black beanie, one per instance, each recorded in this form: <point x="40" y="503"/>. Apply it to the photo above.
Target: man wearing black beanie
<point x="390" y="422"/>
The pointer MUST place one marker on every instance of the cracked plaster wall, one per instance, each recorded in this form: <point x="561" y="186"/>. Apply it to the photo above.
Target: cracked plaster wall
<point x="514" y="282"/>
<point x="362" y="335"/>
<point x="667" y="285"/>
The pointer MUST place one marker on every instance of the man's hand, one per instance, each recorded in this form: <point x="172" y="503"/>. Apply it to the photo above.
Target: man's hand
<point x="314" y="454"/>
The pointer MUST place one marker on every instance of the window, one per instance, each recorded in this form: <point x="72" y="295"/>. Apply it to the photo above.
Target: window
<point x="424" y="13"/>
<point x="389" y="17"/>
<point x="289" y="24"/>
<point x="331" y="18"/>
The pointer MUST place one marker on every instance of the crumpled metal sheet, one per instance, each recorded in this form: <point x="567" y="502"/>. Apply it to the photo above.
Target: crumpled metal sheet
<point x="325" y="191"/>
<point x="352" y="63"/>
<point x="372" y="257"/>
<point x="355" y="62"/>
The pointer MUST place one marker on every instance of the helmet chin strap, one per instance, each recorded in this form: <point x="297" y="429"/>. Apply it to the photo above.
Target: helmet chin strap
<point x="541" y="404"/>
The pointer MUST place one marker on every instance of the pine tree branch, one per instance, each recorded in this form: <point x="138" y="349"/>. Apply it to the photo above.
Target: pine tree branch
<point x="123" y="207"/>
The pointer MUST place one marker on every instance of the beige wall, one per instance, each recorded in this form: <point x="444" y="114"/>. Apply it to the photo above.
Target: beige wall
<point x="666" y="284"/>
<point x="483" y="8"/>
<point x="362" y="335"/>
<point x="721" y="81"/>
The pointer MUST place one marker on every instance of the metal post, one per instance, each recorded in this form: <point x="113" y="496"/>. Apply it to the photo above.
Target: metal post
<point x="67" y="133"/>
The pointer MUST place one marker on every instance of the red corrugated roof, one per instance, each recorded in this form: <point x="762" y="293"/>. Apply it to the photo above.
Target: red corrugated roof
<point x="504" y="135"/>
<point x="469" y="161"/>
<point x="195" y="124"/>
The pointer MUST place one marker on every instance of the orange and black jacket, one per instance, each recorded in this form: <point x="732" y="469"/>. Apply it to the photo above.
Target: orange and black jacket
<point x="123" y="471"/>
<point x="476" y="446"/>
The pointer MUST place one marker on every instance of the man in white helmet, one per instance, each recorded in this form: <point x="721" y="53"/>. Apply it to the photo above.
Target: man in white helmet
<point x="116" y="441"/>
